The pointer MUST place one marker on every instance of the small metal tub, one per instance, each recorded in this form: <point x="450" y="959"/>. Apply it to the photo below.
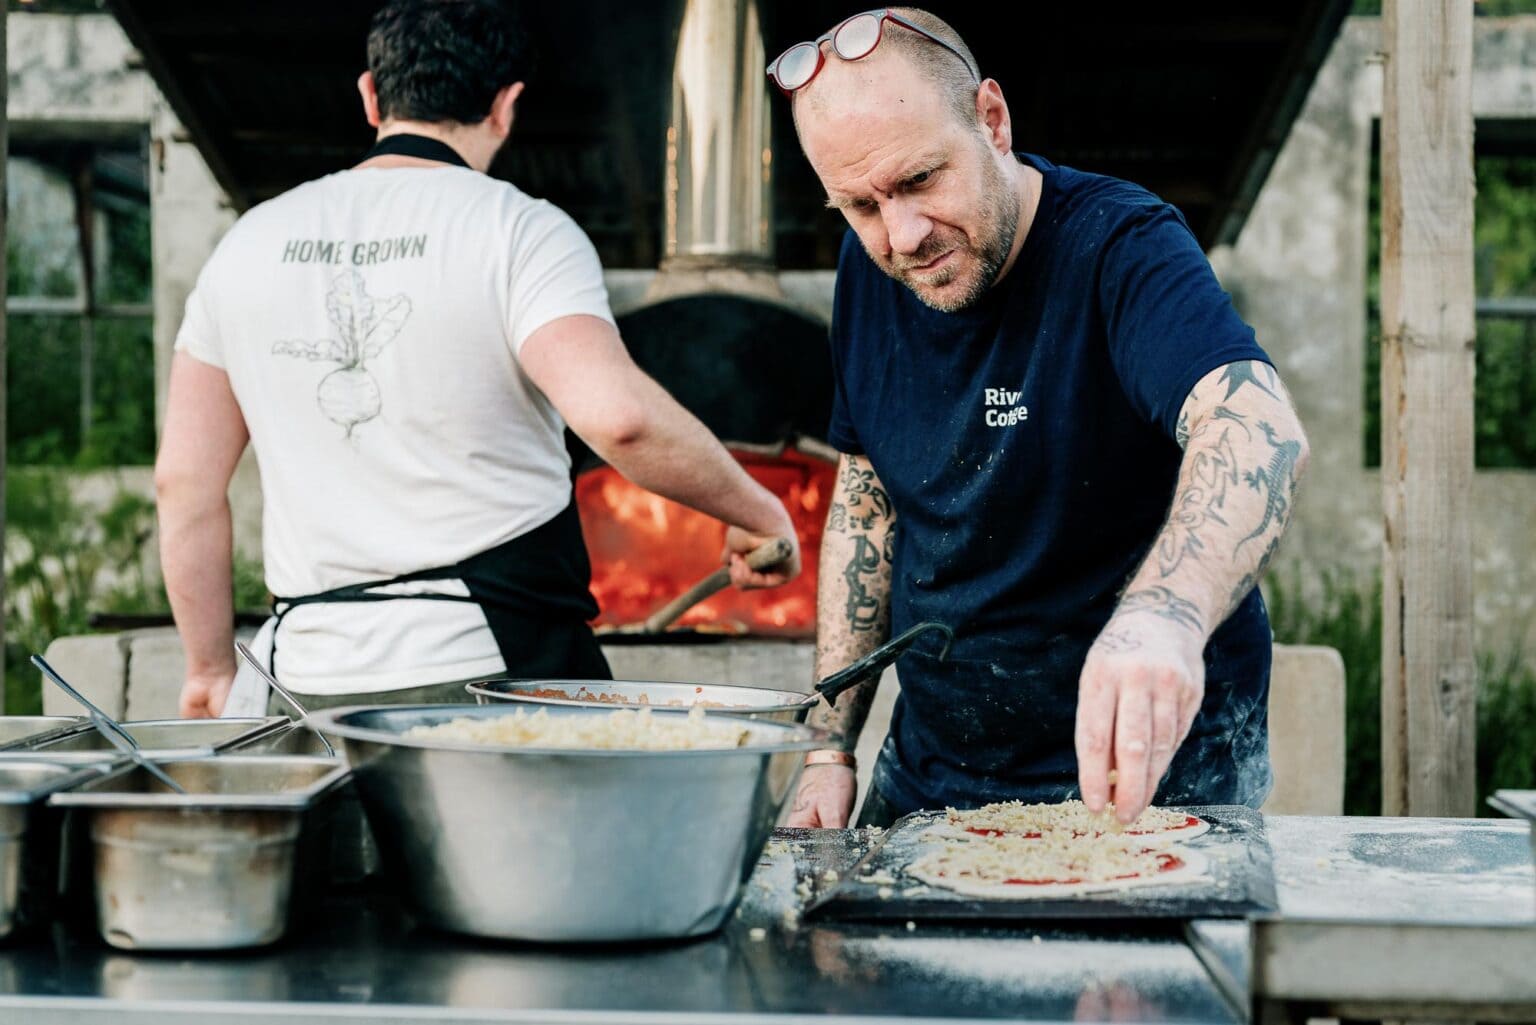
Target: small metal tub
<point x="213" y="869"/>
<point x="752" y="702"/>
<point x="29" y="836"/>
<point x="19" y="730"/>
<point x="351" y="854"/>
<point x="165" y="738"/>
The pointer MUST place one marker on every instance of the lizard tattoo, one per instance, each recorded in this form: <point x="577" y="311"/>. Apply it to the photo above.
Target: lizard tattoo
<point x="1277" y="479"/>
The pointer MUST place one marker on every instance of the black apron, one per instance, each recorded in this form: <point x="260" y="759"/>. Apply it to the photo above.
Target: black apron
<point x="532" y="589"/>
<point x="994" y="721"/>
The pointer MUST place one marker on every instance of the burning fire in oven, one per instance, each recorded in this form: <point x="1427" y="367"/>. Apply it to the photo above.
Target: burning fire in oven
<point x="646" y="550"/>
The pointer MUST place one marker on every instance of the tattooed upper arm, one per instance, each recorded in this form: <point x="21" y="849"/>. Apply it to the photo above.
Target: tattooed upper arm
<point x="1234" y="392"/>
<point x="862" y="503"/>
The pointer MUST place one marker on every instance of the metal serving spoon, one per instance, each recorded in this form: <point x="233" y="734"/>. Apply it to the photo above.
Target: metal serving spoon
<point x="283" y="693"/>
<point x="108" y="727"/>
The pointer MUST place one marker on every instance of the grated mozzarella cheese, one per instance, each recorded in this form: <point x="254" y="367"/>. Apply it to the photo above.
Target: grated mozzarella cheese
<point x="1073" y="817"/>
<point x="1053" y="858"/>
<point x="623" y="730"/>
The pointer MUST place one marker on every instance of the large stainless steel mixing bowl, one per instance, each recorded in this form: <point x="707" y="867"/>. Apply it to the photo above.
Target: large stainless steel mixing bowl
<point x="753" y="702"/>
<point x="566" y="845"/>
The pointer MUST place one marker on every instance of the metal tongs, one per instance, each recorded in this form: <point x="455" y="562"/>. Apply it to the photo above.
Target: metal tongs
<point x="109" y="727"/>
<point x="876" y="661"/>
<point x="283" y="693"/>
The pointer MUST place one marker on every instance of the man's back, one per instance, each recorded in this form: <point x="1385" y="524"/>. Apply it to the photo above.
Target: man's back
<point x="369" y="323"/>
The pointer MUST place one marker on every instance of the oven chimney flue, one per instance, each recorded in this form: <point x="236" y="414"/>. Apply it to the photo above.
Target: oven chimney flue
<point x="718" y="218"/>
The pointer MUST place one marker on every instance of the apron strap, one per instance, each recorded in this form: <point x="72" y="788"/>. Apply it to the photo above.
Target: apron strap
<point x="543" y="574"/>
<point x="423" y="147"/>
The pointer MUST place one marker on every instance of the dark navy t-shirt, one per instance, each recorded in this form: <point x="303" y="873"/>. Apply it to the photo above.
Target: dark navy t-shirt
<point x="1027" y="444"/>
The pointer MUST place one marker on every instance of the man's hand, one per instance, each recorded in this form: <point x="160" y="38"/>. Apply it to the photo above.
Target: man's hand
<point x="1141" y="687"/>
<point x="824" y="799"/>
<point x="740" y="543"/>
<point x="203" y="697"/>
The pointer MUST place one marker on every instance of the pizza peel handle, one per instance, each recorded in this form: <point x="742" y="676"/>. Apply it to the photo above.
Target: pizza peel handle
<point x="764" y="557"/>
<point x="876" y="661"/>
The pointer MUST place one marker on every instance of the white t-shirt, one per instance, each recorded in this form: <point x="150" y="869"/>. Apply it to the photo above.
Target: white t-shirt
<point x="370" y="323"/>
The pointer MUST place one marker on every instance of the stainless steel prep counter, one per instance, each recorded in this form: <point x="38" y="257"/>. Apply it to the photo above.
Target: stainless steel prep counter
<point x="364" y="960"/>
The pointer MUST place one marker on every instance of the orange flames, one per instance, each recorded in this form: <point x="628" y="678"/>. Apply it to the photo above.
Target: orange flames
<point x="647" y="550"/>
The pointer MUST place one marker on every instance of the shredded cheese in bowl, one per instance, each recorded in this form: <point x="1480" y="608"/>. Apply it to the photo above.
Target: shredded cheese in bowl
<point x="618" y="731"/>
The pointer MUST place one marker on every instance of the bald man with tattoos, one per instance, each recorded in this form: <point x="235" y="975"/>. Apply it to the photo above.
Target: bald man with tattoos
<point x="1057" y="437"/>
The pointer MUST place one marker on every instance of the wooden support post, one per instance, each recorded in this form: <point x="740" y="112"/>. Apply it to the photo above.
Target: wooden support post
<point x="5" y="145"/>
<point x="1428" y="679"/>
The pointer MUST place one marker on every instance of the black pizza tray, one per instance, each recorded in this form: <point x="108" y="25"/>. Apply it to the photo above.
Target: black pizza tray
<point x="1241" y="881"/>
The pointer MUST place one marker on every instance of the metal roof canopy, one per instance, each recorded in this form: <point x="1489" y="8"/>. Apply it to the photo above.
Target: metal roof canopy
<point x="1192" y="102"/>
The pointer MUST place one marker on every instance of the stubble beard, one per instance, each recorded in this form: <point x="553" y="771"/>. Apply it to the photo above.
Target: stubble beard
<point x="983" y="260"/>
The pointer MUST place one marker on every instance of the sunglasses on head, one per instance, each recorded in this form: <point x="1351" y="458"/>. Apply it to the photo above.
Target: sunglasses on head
<point x="851" y="40"/>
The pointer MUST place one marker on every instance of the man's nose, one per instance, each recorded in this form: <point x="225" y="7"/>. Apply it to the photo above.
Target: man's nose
<point x="905" y="226"/>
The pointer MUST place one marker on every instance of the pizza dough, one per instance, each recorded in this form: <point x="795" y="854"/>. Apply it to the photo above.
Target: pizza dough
<point x="1018" y="868"/>
<point x="1017" y="851"/>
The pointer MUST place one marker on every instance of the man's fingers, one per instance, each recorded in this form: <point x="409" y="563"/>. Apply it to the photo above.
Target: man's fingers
<point x="1189" y="707"/>
<point x="1166" y="711"/>
<point x="1133" y="748"/>
<point x="1093" y="737"/>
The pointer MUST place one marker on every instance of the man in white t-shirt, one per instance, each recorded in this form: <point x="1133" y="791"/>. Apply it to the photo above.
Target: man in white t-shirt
<point x="403" y="344"/>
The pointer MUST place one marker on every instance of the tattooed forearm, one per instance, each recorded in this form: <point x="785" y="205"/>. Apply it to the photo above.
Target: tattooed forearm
<point x="845" y="719"/>
<point x="1251" y="580"/>
<point x="863" y="608"/>
<point x="853" y="591"/>
<point x="1160" y="601"/>
<point x="1276" y="480"/>
<point x="1244" y="453"/>
<point x="1208" y="472"/>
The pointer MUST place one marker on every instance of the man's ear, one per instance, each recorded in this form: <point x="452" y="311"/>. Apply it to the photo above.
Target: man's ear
<point x="503" y="109"/>
<point x="370" y="95"/>
<point x="992" y="115"/>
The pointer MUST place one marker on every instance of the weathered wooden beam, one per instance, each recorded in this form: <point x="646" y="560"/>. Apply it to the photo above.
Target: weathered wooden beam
<point x="4" y="154"/>
<point x="1429" y="681"/>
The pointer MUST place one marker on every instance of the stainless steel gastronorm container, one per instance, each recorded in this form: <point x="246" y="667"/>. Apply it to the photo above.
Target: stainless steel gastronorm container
<point x="29" y="834"/>
<point x="350" y="855"/>
<point x="753" y="702"/>
<point x="166" y="738"/>
<point x="566" y="845"/>
<point x="17" y="730"/>
<point x="208" y="870"/>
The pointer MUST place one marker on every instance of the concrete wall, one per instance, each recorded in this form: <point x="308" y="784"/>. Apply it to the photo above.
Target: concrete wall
<point x="76" y="76"/>
<point x="1298" y="274"/>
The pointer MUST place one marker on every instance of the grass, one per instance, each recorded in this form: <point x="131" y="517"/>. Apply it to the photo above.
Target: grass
<point x="1345" y="614"/>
